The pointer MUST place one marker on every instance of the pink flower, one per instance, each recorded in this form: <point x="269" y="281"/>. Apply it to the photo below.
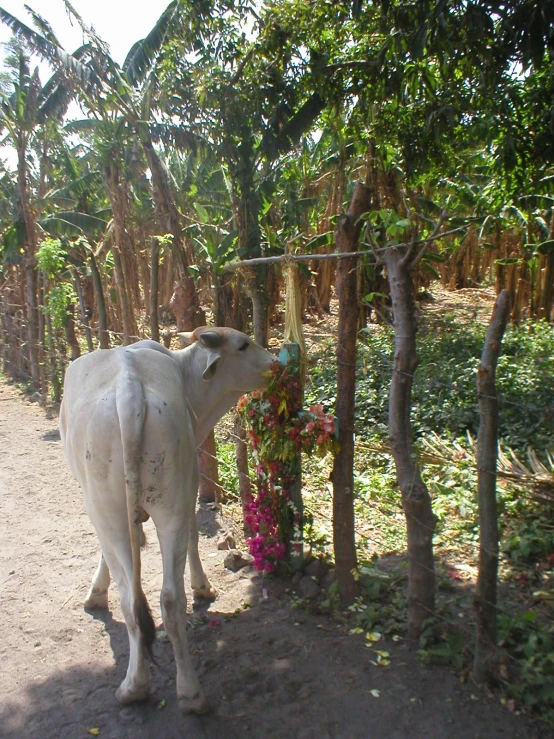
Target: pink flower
<point x="317" y="410"/>
<point x="329" y="424"/>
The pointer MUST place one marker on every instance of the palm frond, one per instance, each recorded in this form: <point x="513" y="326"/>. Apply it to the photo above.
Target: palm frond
<point x="43" y="47"/>
<point x="87" y="30"/>
<point x="38" y="43"/>
<point x="85" y="125"/>
<point x="62" y="201"/>
<point x="54" y="98"/>
<point x="537" y="479"/>
<point x="144" y="53"/>
<point x="31" y="99"/>
<point x="76" y="187"/>
<point x="44" y="27"/>
<point x="175" y="136"/>
<point x="71" y="223"/>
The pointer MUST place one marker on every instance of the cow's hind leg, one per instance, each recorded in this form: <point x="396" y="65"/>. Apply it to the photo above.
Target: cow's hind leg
<point x="201" y="586"/>
<point x="97" y="596"/>
<point x="173" y="544"/>
<point x="118" y="558"/>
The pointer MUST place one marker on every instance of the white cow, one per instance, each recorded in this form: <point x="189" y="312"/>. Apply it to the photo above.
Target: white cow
<point x="130" y="421"/>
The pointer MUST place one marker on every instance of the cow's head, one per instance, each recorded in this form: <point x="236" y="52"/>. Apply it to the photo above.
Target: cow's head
<point x="237" y="362"/>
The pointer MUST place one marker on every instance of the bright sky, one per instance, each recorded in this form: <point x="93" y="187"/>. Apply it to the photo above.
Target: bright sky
<point x="119" y="22"/>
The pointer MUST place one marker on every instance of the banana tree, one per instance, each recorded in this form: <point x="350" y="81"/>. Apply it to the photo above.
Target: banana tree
<point x="24" y="107"/>
<point x="111" y="92"/>
<point x="111" y="148"/>
<point x="128" y="92"/>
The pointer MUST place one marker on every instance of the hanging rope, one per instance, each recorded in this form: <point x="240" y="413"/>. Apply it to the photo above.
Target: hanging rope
<point x="294" y="332"/>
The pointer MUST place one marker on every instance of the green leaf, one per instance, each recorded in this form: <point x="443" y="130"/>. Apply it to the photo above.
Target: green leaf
<point x="72" y="223"/>
<point x="431" y="256"/>
<point x="202" y="213"/>
<point x="13" y="242"/>
<point x="546" y="247"/>
<point x="143" y="53"/>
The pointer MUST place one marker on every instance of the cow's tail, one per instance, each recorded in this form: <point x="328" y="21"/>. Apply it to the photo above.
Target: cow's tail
<point x="131" y="409"/>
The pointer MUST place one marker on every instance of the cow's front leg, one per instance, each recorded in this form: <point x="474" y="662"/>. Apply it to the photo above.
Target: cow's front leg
<point x="201" y="586"/>
<point x="97" y="596"/>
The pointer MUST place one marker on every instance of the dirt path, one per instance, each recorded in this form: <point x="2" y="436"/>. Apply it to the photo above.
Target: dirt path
<point x="269" y="671"/>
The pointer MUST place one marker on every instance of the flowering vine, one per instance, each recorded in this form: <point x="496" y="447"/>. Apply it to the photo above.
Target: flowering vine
<point x="279" y="430"/>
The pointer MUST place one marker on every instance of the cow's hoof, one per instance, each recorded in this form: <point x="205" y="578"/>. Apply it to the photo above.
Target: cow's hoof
<point x="207" y="592"/>
<point x="96" y="599"/>
<point x="198" y="704"/>
<point x="127" y="695"/>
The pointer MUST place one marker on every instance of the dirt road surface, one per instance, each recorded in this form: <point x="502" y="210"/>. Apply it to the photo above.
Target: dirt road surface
<point x="268" y="671"/>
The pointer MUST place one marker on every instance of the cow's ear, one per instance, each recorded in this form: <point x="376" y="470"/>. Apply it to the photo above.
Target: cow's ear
<point x="211" y="366"/>
<point x="186" y="338"/>
<point x="210" y="339"/>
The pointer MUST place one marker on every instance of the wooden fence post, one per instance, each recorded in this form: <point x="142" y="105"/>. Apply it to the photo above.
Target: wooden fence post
<point x="291" y="352"/>
<point x="487" y="453"/>
<point x="347" y="234"/>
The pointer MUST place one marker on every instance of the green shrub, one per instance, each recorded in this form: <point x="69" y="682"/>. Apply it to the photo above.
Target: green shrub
<point x="444" y="396"/>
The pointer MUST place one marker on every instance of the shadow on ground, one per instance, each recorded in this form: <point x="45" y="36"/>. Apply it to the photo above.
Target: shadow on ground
<point x="268" y="672"/>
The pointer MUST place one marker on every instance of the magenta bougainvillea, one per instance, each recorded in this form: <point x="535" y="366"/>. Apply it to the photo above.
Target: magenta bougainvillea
<point x="279" y="430"/>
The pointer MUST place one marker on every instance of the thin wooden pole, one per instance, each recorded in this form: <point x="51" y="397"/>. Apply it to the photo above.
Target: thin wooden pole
<point x="292" y="352"/>
<point x="154" y="287"/>
<point x="487" y="453"/>
<point x="83" y="309"/>
<point x="103" y="335"/>
<point x="420" y="520"/>
<point x="347" y="235"/>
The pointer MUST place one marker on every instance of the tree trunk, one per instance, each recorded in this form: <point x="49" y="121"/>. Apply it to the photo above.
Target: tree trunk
<point x="32" y="324"/>
<point x="70" y="335"/>
<point x="83" y="309"/>
<point x="123" y="249"/>
<point x="103" y="335"/>
<point x="224" y="292"/>
<point x="325" y="269"/>
<point x="6" y="363"/>
<point x="420" y="520"/>
<point x="53" y="369"/>
<point x="154" y="289"/>
<point x="547" y="292"/>
<point x="170" y="218"/>
<point x="347" y="235"/>
<point x="246" y="204"/>
<point x="241" y="452"/>
<point x="259" y="307"/>
<point x="42" y="340"/>
<point x="145" y="276"/>
<point x="31" y="243"/>
<point x="184" y="306"/>
<point x="209" y="489"/>
<point x="9" y="344"/>
<point x="126" y="313"/>
<point x="485" y="662"/>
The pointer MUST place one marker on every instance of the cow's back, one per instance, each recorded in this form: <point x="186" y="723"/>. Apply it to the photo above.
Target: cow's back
<point x="146" y="381"/>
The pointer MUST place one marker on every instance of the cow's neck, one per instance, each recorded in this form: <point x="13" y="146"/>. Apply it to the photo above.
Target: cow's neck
<point x="206" y="421"/>
<point x="207" y="403"/>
